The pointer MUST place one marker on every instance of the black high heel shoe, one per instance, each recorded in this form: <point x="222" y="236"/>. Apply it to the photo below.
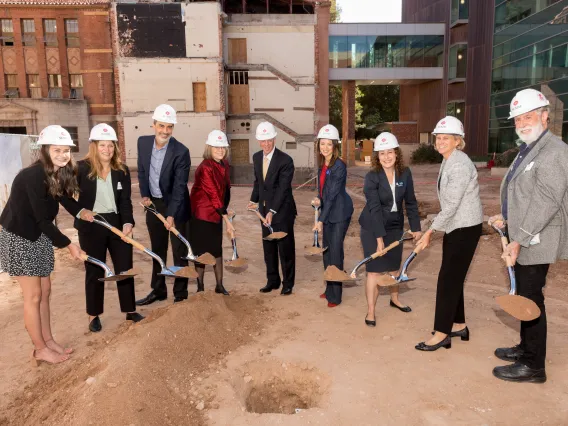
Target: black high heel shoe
<point x="463" y="334"/>
<point x="220" y="289"/>
<point x="446" y="343"/>
<point x="371" y="323"/>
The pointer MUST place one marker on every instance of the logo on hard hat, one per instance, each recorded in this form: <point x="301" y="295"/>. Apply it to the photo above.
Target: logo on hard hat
<point x="105" y="130"/>
<point x="62" y="133"/>
<point x="264" y="130"/>
<point x="327" y="130"/>
<point x="384" y="139"/>
<point x="541" y="97"/>
<point x="515" y="103"/>
<point x="219" y="138"/>
<point x="167" y="113"/>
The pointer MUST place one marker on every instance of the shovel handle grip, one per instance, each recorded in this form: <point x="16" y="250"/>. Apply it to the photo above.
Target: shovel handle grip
<point x="385" y="250"/>
<point x="129" y="240"/>
<point x="508" y="260"/>
<point x="173" y="230"/>
<point x="418" y="249"/>
<point x="84" y="257"/>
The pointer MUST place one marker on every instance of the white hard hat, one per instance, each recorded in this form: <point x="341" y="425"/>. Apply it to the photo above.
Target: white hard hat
<point x="55" y="135"/>
<point x="385" y="141"/>
<point x="527" y="100"/>
<point x="103" y="132"/>
<point x="329" y="132"/>
<point x="217" y="138"/>
<point x="165" y="114"/>
<point x="449" y="126"/>
<point x="265" y="131"/>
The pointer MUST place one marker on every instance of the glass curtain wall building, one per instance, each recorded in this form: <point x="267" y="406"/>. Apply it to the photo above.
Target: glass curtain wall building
<point x="530" y="50"/>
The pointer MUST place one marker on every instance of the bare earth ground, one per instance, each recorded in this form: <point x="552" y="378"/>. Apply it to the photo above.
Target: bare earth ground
<point x="255" y="359"/>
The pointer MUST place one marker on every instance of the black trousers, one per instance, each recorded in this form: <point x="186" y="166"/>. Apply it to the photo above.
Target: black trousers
<point x="159" y="241"/>
<point x="531" y="279"/>
<point x="96" y="243"/>
<point x="458" y="250"/>
<point x="286" y="248"/>
<point x="333" y="237"/>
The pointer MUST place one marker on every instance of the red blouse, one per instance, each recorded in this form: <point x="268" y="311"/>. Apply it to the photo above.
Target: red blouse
<point x="323" y="174"/>
<point x="210" y="190"/>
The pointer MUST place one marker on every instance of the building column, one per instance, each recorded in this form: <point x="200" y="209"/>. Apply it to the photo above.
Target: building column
<point x="348" y="136"/>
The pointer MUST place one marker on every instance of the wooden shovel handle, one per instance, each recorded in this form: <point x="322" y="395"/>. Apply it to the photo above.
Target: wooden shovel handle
<point x="508" y="261"/>
<point x="418" y="249"/>
<point x="128" y="239"/>
<point x="261" y="217"/>
<point x="173" y="230"/>
<point x="385" y="250"/>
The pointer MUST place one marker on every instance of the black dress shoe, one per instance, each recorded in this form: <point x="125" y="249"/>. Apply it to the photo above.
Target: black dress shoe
<point x="151" y="298"/>
<point x="95" y="325"/>
<point x="509" y="354"/>
<point x="134" y="316"/>
<point x="518" y="372"/>
<point x="179" y="299"/>
<point x="464" y="334"/>
<point x="220" y="289"/>
<point x="446" y="343"/>
<point x="403" y="309"/>
<point x="371" y="323"/>
<point x="286" y="291"/>
<point x="268" y="288"/>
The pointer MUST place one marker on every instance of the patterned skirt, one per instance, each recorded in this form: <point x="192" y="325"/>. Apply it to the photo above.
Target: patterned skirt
<point x="22" y="257"/>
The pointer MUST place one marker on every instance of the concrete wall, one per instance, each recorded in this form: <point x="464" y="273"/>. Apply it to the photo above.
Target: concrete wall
<point x="202" y="24"/>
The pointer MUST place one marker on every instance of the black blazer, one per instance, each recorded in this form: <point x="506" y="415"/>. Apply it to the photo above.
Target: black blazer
<point x="121" y="187"/>
<point x="276" y="191"/>
<point x="31" y="210"/>
<point x="336" y="204"/>
<point x="377" y="216"/>
<point x="174" y="176"/>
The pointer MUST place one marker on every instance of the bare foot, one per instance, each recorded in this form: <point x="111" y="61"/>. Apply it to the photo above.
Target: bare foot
<point x="49" y="355"/>
<point x="53" y="345"/>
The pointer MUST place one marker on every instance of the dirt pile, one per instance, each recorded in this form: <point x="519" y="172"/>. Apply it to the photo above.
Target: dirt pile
<point x="148" y="373"/>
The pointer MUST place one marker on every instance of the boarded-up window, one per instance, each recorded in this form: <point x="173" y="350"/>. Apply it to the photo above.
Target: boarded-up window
<point x="199" y="97"/>
<point x="239" y="97"/>
<point x="239" y="152"/>
<point x="237" y="51"/>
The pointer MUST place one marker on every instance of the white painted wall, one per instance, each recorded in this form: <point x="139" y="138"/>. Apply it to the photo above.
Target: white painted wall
<point x="146" y="83"/>
<point x="202" y="35"/>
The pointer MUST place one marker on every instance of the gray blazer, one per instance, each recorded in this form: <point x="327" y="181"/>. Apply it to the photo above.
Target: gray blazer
<point x="537" y="205"/>
<point x="458" y="194"/>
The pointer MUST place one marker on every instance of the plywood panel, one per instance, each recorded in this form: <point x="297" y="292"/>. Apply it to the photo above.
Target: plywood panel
<point x="239" y="101"/>
<point x="74" y="60"/>
<point x="52" y="58"/>
<point x="9" y="60"/>
<point x="30" y="59"/>
<point x="199" y="97"/>
<point x="239" y="152"/>
<point x="237" y="51"/>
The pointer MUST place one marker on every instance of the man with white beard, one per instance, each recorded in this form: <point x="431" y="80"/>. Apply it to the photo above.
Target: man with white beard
<point x="534" y="206"/>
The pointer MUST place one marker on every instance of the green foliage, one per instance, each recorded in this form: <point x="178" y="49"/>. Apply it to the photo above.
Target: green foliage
<point x="336" y="107"/>
<point x="426" y="154"/>
<point x="380" y="105"/>
<point x="506" y="158"/>
<point x="335" y="12"/>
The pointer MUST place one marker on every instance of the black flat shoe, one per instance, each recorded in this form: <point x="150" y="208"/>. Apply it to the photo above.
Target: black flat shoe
<point x="509" y="354"/>
<point x="95" y="325"/>
<point x="518" y="372"/>
<point x="446" y="343"/>
<point x="286" y="292"/>
<point x="403" y="309"/>
<point x="371" y="323"/>
<point x="464" y="334"/>
<point x="134" y="316"/>
<point x="221" y="290"/>
<point x="151" y="298"/>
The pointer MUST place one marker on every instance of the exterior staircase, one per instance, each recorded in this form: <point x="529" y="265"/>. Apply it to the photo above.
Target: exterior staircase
<point x="266" y="117"/>
<point x="269" y="68"/>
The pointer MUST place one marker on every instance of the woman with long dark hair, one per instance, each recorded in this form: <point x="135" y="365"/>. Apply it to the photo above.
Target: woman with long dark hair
<point x="210" y="197"/>
<point x="336" y="207"/>
<point x="387" y="187"/>
<point x="104" y="188"/>
<point x="28" y="235"/>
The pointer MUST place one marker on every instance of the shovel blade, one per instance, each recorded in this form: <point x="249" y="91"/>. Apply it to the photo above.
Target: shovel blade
<point x="180" y="272"/>
<point x="519" y="307"/>
<point x="237" y="263"/>
<point x="206" y="259"/>
<point x="314" y="251"/>
<point x="276" y="236"/>
<point x="387" y="281"/>
<point x="332" y="273"/>
<point x="122" y="276"/>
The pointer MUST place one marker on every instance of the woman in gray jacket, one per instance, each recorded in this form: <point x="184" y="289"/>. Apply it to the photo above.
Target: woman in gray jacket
<point x="461" y="218"/>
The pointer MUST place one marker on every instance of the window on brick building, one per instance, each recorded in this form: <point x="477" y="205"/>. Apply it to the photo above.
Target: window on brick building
<point x="7" y="36"/>
<point x="54" y="81"/>
<point x="74" y="133"/>
<point x="11" y="86"/>
<point x="456" y="109"/>
<point x="72" y="32"/>
<point x="34" y="85"/>
<point x="50" y="32"/>
<point x="76" y="84"/>
<point x="28" y="32"/>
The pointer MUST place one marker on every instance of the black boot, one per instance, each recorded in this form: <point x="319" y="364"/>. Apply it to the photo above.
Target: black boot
<point x="221" y="290"/>
<point x="200" y="285"/>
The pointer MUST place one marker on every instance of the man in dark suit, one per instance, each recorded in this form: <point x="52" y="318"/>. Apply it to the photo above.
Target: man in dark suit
<point x="163" y="173"/>
<point x="272" y="191"/>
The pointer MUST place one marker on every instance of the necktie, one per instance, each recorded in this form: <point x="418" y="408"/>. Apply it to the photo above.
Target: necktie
<point x="264" y="167"/>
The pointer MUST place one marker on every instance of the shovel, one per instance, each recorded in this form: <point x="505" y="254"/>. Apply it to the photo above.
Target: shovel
<point x="519" y="307"/>
<point x="273" y="236"/>
<point x="332" y="273"/>
<point x="205" y="258"/>
<point x="236" y="261"/>
<point x="109" y="276"/>
<point x="315" y="249"/>
<point x="172" y="271"/>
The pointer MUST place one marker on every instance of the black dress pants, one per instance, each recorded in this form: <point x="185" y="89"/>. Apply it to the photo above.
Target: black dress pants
<point x="286" y="250"/>
<point x="96" y="243"/>
<point x="333" y="237"/>
<point x="457" y="253"/>
<point x="531" y="279"/>
<point x="159" y="241"/>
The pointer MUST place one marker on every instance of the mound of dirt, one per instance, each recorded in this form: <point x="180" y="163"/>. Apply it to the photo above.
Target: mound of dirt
<point x="149" y="373"/>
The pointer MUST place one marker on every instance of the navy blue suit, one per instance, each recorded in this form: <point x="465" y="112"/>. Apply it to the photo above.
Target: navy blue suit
<point x="336" y="212"/>
<point x="174" y="177"/>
